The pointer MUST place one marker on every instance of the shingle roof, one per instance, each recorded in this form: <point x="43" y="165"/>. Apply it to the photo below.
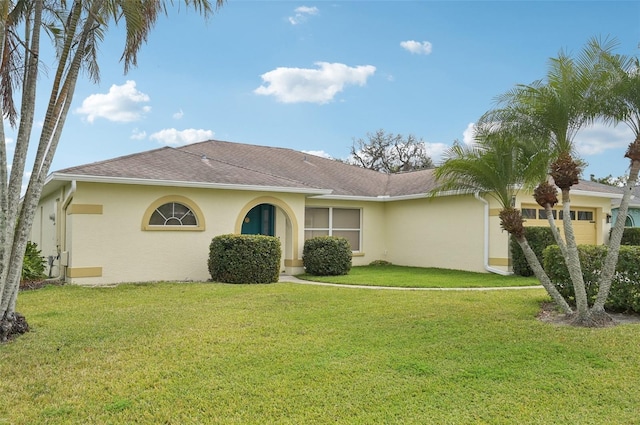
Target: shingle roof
<point x="633" y="202"/>
<point x="590" y="186"/>
<point x="238" y="164"/>
<point x="219" y="162"/>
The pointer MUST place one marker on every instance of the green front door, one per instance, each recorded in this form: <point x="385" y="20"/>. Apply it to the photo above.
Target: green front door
<point x="259" y="221"/>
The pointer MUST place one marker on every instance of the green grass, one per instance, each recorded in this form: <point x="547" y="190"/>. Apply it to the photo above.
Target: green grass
<point x="285" y="353"/>
<point x="416" y="277"/>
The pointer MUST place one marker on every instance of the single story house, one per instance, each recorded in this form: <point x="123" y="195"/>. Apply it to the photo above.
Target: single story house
<point x="151" y="216"/>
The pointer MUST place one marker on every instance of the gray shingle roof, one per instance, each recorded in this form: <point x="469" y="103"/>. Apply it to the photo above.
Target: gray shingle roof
<point x="219" y="162"/>
<point x="238" y="164"/>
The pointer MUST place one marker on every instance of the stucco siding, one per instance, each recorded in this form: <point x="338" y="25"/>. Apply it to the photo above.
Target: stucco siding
<point x="116" y="242"/>
<point x="445" y="232"/>
<point x="499" y="255"/>
<point x="44" y="229"/>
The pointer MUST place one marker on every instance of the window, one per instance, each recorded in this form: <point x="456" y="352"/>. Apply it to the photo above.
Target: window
<point x="585" y="215"/>
<point x="173" y="213"/>
<point x="529" y="213"/>
<point x="543" y="214"/>
<point x="340" y="222"/>
<point x="572" y="214"/>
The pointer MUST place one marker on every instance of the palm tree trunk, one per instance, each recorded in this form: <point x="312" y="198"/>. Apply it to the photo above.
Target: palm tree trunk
<point x="32" y="30"/>
<point x="608" y="269"/>
<point x="554" y="230"/>
<point x="542" y="276"/>
<point x="572" y="260"/>
<point x="59" y="104"/>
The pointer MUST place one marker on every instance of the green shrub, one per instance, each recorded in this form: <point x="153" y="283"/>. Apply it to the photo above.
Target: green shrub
<point x="244" y="259"/>
<point x="34" y="264"/>
<point x="631" y="236"/>
<point x="625" y="288"/>
<point x="380" y="263"/>
<point x="327" y="256"/>
<point x="538" y="238"/>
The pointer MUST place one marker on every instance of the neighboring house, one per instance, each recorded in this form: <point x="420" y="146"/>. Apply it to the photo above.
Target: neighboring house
<point x="633" y="213"/>
<point x="151" y="216"/>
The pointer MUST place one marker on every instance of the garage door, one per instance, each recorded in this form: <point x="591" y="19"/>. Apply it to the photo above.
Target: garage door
<point x="583" y="219"/>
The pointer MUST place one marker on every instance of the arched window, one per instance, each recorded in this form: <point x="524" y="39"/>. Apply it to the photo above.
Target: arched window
<point x="173" y="213"/>
<point x="628" y="222"/>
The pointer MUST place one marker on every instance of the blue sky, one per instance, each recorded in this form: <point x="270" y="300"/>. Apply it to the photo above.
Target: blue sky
<point x="313" y="76"/>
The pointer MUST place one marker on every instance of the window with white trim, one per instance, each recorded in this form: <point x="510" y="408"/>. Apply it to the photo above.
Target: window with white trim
<point x="173" y="214"/>
<point x="330" y="221"/>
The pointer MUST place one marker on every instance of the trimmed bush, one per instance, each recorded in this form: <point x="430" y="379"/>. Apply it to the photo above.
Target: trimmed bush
<point x="244" y="259"/>
<point x="33" y="265"/>
<point x="538" y="238"/>
<point x="380" y="263"/>
<point x="625" y="288"/>
<point x="631" y="236"/>
<point x="327" y="256"/>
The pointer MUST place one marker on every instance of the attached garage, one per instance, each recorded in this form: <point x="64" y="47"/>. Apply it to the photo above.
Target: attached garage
<point x="583" y="219"/>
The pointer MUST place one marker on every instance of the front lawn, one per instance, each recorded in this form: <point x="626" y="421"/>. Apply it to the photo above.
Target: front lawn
<point x="203" y="353"/>
<point x="417" y="277"/>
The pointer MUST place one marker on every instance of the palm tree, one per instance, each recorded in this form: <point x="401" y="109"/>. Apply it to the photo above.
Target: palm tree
<point x="500" y="164"/>
<point x="554" y="110"/>
<point x="77" y="28"/>
<point x="619" y="102"/>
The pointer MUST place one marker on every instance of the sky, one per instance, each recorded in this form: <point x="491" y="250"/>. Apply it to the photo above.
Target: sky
<point x="315" y="76"/>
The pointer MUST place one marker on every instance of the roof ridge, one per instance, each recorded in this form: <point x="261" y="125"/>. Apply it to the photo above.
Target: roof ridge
<point x="204" y="156"/>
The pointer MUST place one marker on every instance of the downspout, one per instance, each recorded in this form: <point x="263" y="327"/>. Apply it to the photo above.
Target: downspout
<point x="487" y="267"/>
<point x="63" y="232"/>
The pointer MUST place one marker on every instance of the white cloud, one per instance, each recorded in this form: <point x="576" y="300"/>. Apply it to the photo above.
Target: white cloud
<point x="295" y="85"/>
<point x="8" y="142"/>
<point x="599" y="137"/>
<point x="173" y="137"/>
<point x="469" y="134"/>
<point x="319" y="153"/>
<point x="435" y="151"/>
<point x="301" y="14"/>
<point x="138" y="135"/>
<point x="178" y="115"/>
<point x="417" y="47"/>
<point x="122" y="104"/>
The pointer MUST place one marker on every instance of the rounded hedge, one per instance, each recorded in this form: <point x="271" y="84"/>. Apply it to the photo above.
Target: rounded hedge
<point x="624" y="295"/>
<point x="244" y="259"/>
<point x="327" y="256"/>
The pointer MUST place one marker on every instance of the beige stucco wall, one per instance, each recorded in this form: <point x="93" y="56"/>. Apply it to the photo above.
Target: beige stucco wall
<point x="499" y="252"/>
<point x="45" y="231"/>
<point x="102" y="229"/>
<point x="446" y="232"/>
<point x="112" y="247"/>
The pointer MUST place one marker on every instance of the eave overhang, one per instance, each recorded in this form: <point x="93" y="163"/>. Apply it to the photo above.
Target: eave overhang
<point x="175" y="183"/>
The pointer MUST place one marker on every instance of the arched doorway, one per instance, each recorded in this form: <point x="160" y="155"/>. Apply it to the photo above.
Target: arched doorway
<point x="260" y="220"/>
<point x="268" y="215"/>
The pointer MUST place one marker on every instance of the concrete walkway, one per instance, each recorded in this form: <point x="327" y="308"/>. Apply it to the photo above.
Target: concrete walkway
<point x="293" y="279"/>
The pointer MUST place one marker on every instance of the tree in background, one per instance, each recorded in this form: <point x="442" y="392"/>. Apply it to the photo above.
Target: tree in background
<point x="77" y="27"/>
<point x="619" y="181"/>
<point x="390" y="153"/>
